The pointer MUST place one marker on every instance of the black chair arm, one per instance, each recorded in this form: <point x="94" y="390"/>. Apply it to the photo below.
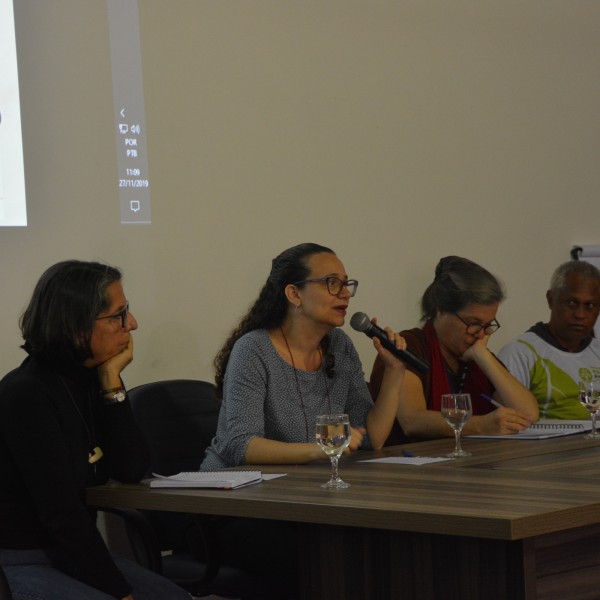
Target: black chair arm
<point x="5" y="593"/>
<point x="141" y="536"/>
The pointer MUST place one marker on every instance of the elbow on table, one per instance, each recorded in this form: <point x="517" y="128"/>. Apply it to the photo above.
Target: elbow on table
<point x="528" y="406"/>
<point x="533" y="412"/>
<point x="410" y="426"/>
<point x="377" y="445"/>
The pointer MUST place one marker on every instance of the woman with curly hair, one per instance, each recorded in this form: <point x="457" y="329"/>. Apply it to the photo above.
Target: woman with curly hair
<point x="288" y="361"/>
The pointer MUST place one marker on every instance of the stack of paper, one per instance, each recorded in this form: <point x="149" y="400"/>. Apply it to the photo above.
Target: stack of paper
<point x="205" y="479"/>
<point x="544" y="428"/>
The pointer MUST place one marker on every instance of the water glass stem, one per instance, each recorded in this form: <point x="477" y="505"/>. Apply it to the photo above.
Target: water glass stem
<point x="457" y="446"/>
<point x="334" y="467"/>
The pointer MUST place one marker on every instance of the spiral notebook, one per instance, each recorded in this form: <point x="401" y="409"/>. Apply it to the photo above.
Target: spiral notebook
<point x="543" y="429"/>
<point x="205" y="479"/>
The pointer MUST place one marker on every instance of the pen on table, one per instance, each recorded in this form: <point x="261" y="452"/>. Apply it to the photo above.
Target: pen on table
<point x="490" y="399"/>
<point x="407" y="453"/>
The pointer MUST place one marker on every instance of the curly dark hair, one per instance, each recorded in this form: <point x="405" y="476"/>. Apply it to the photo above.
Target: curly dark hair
<point x="459" y="282"/>
<point x="271" y="306"/>
<point x="58" y="323"/>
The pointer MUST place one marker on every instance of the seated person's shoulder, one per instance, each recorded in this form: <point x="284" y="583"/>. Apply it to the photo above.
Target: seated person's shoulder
<point x="595" y="343"/>
<point x="414" y="336"/>
<point x="521" y="344"/>
<point x="339" y="339"/>
<point x="25" y="387"/>
<point x="30" y="374"/>
<point x="257" y="339"/>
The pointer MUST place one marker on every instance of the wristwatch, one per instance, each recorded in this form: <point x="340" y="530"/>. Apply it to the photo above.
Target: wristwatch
<point x="115" y="398"/>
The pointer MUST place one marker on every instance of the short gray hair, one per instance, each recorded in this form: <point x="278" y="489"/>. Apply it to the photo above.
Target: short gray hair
<point x="582" y="268"/>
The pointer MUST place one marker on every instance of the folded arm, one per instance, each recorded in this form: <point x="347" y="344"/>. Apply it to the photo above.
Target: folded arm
<point x="509" y="392"/>
<point x="263" y="451"/>
<point x="417" y="420"/>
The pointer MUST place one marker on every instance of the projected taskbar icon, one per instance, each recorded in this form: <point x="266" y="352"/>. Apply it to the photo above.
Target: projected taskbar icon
<point x="135" y="210"/>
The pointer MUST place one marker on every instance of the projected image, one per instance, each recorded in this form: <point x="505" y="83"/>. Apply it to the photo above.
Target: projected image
<point x="12" y="175"/>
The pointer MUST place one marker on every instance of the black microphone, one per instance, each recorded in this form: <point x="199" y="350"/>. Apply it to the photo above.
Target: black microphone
<point x="361" y="322"/>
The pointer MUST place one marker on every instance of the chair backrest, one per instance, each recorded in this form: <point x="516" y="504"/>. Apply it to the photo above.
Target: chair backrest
<point x="179" y="418"/>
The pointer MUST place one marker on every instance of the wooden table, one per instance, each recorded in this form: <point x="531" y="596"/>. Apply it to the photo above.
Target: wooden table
<point x="517" y="519"/>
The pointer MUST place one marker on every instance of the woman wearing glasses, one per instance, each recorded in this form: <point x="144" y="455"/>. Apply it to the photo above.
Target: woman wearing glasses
<point x="459" y="309"/>
<point x="65" y="424"/>
<point x="288" y="361"/>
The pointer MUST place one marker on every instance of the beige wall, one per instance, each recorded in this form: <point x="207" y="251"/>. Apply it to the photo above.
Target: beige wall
<point x="395" y="132"/>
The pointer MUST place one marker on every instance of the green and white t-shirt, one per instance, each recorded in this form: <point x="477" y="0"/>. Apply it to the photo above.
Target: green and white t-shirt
<point x="552" y="374"/>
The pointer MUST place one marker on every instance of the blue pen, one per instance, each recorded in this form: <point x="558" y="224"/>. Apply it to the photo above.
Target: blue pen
<point x="407" y="453"/>
<point x="490" y="399"/>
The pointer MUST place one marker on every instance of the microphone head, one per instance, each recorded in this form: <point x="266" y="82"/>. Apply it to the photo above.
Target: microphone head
<point x="360" y="321"/>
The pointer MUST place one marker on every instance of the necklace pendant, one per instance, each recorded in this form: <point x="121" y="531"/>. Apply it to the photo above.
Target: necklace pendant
<point x="95" y="455"/>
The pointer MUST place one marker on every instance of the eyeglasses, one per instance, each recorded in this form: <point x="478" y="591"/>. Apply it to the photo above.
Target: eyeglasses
<point x="122" y="314"/>
<point x="475" y="328"/>
<point x="334" y="284"/>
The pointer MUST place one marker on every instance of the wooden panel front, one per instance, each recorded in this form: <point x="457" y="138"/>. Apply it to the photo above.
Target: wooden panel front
<point x="340" y="563"/>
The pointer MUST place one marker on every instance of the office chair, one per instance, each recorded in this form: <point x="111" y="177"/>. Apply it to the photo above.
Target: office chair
<point x="179" y="419"/>
<point x="5" y="593"/>
<point x="129" y="534"/>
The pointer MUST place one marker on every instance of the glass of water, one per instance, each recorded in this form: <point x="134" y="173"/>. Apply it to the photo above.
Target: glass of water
<point x="456" y="410"/>
<point x="589" y="396"/>
<point x="333" y="437"/>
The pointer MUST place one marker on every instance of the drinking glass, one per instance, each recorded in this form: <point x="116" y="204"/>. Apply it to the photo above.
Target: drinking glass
<point x="333" y="436"/>
<point x="456" y="410"/>
<point x="589" y="396"/>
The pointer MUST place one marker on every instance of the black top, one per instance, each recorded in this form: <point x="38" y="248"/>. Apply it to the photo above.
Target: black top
<point x="50" y="419"/>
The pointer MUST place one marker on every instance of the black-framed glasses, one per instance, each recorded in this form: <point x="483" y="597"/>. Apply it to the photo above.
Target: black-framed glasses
<point x="122" y="314"/>
<point x="335" y="285"/>
<point x="475" y="328"/>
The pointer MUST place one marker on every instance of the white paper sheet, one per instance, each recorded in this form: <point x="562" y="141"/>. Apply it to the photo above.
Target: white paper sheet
<point x="407" y="460"/>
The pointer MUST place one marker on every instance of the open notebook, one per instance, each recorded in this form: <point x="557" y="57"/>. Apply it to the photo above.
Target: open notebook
<point x="544" y="428"/>
<point x="205" y="479"/>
